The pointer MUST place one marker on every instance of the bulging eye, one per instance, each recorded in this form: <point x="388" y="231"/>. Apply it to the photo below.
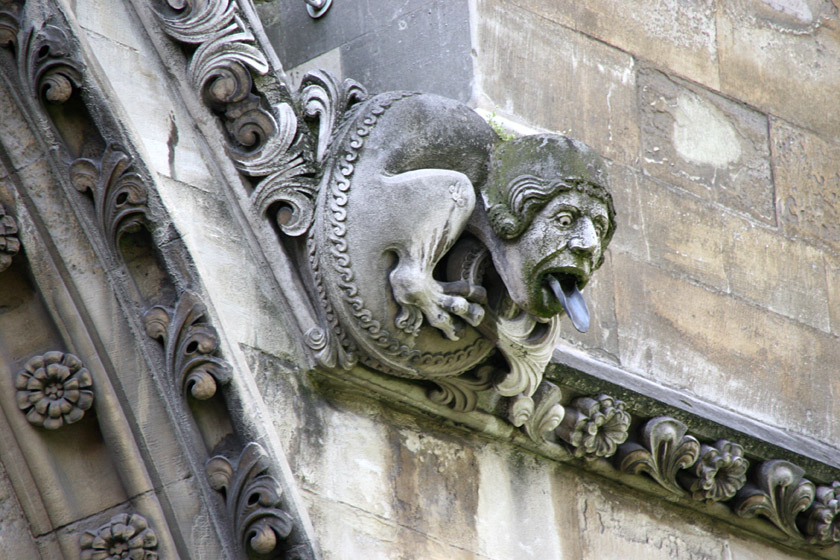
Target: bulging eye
<point x="564" y="219"/>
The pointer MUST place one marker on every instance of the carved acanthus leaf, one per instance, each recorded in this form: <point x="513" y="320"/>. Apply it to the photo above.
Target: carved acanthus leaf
<point x="119" y="193"/>
<point x="778" y="492"/>
<point x="54" y="389"/>
<point x="666" y="450"/>
<point x="461" y="393"/>
<point x="10" y="11"/>
<point x="822" y="524"/>
<point x="190" y="346"/>
<point x="538" y="415"/>
<point x="124" y="536"/>
<point x="252" y="497"/>
<point x="9" y="242"/>
<point x="51" y="66"/>
<point x="718" y="474"/>
<point x="526" y="354"/>
<point x="595" y="427"/>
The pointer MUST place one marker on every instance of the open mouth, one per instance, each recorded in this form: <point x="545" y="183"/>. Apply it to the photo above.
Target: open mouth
<point x="564" y="285"/>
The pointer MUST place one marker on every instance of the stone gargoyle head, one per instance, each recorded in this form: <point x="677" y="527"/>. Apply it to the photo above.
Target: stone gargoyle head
<point x="551" y="216"/>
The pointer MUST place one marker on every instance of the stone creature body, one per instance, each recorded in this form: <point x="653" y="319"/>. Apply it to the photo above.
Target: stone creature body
<point x="434" y="242"/>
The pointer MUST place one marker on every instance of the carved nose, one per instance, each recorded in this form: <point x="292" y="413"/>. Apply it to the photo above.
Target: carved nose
<point x="585" y="239"/>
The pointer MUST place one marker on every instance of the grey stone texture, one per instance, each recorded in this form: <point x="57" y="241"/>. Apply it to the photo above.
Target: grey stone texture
<point x="382" y="44"/>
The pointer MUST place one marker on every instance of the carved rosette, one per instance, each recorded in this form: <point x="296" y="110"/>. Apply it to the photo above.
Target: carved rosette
<point x="252" y="497"/>
<point x="719" y="473"/>
<point x="595" y="427"/>
<point x="190" y="346"/>
<point x="667" y="450"/>
<point x="54" y="389"/>
<point x="9" y="242"/>
<point x="119" y="194"/>
<point x="822" y="526"/>
<point x="124" y="536"/>
<point x="778" y="492"/>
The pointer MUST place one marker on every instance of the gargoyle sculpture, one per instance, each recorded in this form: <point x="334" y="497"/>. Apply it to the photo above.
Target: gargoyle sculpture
<point x="426" y="242"/>
<point x="434" y="242"/>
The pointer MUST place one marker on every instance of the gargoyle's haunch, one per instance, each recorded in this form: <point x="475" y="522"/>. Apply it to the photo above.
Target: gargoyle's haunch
<point x="434" y="242"/>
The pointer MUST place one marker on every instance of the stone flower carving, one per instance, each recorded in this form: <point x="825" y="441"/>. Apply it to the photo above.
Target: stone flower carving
<point x="823" y="525"/>
<point x="124" y="537"/>
<point x="665" y="450"/>
<point x="54" y="389"/>
<point x="595" y="427"/>
<point x="9" y="243"/>
<point x="719" y="473"/>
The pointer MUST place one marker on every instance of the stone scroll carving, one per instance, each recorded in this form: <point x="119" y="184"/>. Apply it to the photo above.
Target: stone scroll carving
<point x="252" y="497"/>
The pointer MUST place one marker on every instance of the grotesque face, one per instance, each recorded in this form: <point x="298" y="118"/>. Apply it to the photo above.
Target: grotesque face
<point x="565" y="241"/>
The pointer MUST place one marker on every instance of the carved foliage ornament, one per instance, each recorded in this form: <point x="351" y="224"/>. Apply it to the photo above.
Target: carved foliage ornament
<point x="119" y="193"/>
<point x="595" y="427"/>
<point x="50" y="65"/>
<point x="665" y="451"/>
<point x="252" y="497"/>
<point x="823" y="517"/>
<point x="125" y="536"/>
<point x="190" y="346"/>
<point x="54" y="389"/>
<point x="9" y="242"/>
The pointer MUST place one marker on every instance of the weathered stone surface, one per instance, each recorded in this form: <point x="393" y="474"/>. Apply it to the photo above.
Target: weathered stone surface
<point x="20" y="144"/>
<point x="722" y="250"/>
<point x="783" y="57"/>
<point x="591" y="90"/>
<point x="614" y="527"/>
<point x="382" y="44"/>
<point x="724" y="351"/>
<point x="832" y="270"/>
<point x="711" y="146"/>
<point x="676" y="34"/>
<point x="807" y="174"/>
<point x="15" y="532"/>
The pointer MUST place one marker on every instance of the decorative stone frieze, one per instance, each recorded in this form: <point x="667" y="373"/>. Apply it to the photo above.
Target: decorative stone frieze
<point x="778" y="492"/>
<point x="54" y="389"/>
<point x="9" y="242"/>
<point x="124" y="536"/>
<point x="595" y="427"/>
<point x="252" y="497"/>
<point x="719" y="473"/>
<point x="119" y="192"/>
<point x="665" y="450"/>
<point x="190" y="346"/>
<point x="823" y="517"/>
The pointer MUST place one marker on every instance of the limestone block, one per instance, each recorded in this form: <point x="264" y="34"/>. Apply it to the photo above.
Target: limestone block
<point x="20" y="144"/>
<point x="727" y="352"/>
<point x="547" y="74"/>
<point x="523" y="510"/>
<point x="169" y="144"/>
<point x="109" y="19"/>
<point x="724" y="251"/>
<point x="783" y="57"/>
<point x="615" y="525"/>
<point x="676" y="34"/>
<point x="832" y="269"/>
<point x="706" y="144"/>
<point x="807" y="173"/>
<point x="15" y="534"/>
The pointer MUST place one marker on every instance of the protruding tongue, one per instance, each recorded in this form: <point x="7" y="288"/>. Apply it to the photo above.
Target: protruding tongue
<point x="572" y="301"/>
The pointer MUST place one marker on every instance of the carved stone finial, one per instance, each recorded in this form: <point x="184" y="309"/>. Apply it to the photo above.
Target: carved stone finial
<point x="252" y="497"/>
<point x="9" y="242"/>
<point x="190" y="346"/>
<point x="124" y="536"/>
<point x="54" y="389"/>
<point x="595" y="427"/>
